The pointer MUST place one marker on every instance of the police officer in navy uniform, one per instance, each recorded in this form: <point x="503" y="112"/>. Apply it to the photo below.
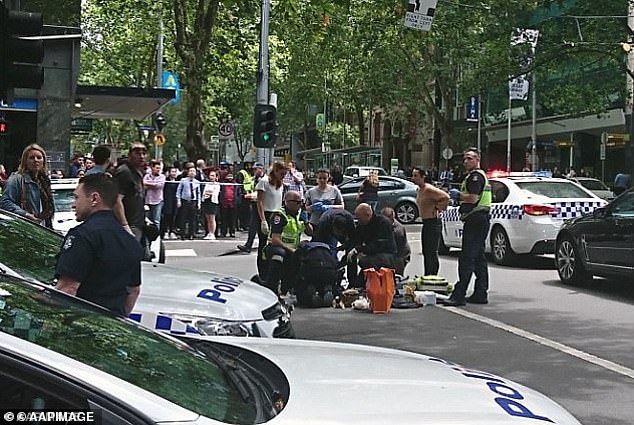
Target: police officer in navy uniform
<point x="286" y="227"/>
<point x="475" y="204"/>
<point x="99" y="261"/>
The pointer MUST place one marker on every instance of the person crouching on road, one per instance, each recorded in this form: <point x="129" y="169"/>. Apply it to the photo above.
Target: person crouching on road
<point x="99" y="260"/>
<point x="403" y="250"/>
<point x="284" y="236"/>
<point x="373" y="242"/>
<point x="430" y="201"/>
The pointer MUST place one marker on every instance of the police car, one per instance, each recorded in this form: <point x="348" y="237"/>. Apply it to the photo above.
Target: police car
<point x="526" y="213"/>
<point x="59" y="353"/>
<point x="64" y="218"/>
<point x="172" y="300"/>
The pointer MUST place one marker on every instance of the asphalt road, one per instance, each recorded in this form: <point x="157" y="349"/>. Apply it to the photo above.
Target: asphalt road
<point x="573" y="344"/>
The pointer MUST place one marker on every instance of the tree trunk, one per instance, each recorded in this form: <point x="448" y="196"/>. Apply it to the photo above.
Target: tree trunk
<point x="194" y="146"/>
<point x="361" y="121"/>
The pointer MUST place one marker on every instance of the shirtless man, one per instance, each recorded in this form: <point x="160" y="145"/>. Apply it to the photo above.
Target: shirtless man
<point x="430" y="201"/>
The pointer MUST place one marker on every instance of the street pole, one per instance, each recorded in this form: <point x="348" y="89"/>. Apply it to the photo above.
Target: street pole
<point x="159" y="74"/>
<point x="479" y="124"/>
<point x="534" y="125"/>
<point x="629" y="108"/>
<point x="262" y="154"/>
<point x="508" y="137"/>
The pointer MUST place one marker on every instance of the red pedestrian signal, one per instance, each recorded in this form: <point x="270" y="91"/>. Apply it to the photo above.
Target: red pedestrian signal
<point x="4" y="128"/>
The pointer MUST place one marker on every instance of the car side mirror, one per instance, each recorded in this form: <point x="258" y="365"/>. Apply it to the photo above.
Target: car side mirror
<point x="599" y="212"/>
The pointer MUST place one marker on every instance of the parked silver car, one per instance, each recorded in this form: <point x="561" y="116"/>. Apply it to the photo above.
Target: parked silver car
<point x="393" y="192"/>
<point x="595" y="186"/>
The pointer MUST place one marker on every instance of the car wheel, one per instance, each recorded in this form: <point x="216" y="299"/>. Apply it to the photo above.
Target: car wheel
<point x="161" y="258"/>
<point x="569" y="265"/>
<point x="442" y="248"/>
<point x="501" y="247"/>
<point x="406" y="212"/>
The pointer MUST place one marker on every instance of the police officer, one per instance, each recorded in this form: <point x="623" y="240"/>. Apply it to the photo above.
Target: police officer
<point x="475" y="203"/>
<point x="286" y="227"/>
<point x="246" y="179"/>
<point x="100" y="261"/>
<point x="335" y="226"/>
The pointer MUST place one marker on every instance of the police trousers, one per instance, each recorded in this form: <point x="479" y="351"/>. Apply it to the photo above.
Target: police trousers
<point x="472" y="259"/>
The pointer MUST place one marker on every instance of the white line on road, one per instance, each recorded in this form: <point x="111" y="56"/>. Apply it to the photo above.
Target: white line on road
<point x="590" y="358"/>
<point x="180" y="253"/>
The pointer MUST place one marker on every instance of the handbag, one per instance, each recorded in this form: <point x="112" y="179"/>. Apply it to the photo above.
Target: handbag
<point x="151" y="232"/>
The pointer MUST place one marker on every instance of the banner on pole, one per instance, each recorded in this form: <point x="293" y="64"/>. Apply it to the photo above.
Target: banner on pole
<point x="519" y="86"/>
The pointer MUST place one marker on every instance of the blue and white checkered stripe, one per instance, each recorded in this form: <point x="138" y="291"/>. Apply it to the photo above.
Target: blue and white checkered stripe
<point x="163" y="323"/>
<point x="574" y="209"/>
<point x="498" y="211"/>
<point x="507" y="212"/>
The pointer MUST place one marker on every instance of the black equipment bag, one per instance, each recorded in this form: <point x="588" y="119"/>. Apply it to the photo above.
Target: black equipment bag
<point x="318" y="276"/>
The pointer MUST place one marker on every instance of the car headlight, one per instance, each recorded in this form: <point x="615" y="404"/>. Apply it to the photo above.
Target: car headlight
<point x="213" y="326"/>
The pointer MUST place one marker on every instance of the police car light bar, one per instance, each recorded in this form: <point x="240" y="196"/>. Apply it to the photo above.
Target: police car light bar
<point x="501" y="173"/>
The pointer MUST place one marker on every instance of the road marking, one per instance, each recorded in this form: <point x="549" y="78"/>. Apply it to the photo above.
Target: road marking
<point x="590" y="358"/>
<point x="180" y="253"/>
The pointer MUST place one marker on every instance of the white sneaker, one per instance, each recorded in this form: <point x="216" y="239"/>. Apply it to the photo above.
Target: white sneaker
<point x="212" y="237"/>
<point x="207" y="237"/>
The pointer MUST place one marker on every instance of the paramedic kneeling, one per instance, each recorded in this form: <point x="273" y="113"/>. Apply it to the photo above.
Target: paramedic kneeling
<point x="373" y="242"/>
<point x="286" y="227"/>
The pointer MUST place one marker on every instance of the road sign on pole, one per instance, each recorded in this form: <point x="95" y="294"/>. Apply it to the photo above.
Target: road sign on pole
<point x="225" y="129"/>
<point x="319" y="121"/>
<point x="420" y="14"/>
<point x="159" y="139"/>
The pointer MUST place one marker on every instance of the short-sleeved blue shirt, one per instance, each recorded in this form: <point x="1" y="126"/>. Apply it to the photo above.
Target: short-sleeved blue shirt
<point x="104" y="258"/>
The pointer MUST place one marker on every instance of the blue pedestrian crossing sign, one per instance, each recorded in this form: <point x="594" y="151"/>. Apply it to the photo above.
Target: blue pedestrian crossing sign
<point x="170" y="81"/>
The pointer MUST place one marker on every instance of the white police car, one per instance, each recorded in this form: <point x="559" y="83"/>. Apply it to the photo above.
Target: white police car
<point x="59" y="353"/>
<point x="64" y="218"/>
<point x="206" y="303"/>
<point x="526" y="213"/>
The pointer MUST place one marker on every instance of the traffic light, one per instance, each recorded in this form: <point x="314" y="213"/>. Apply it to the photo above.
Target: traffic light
<point x="264" y="126"/>
<point x="160" y="121"/>
<point x="20" y="59"/>
<point x="4" y="127"/>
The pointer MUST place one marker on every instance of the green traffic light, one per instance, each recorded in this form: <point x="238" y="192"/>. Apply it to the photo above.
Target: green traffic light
<point x="265" y="137"/>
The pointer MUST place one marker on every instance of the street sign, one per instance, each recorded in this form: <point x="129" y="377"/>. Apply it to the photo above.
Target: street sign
<point x="319" y="121"/>
<point x="447" y="153"/>
<point x="159" y="139"/>
<point x="420" y="14"/>
<point x="170" y="81"/>
<point x="225" y="129"/>
<point x="473" y="109"/>
<point x="602" y="152"/>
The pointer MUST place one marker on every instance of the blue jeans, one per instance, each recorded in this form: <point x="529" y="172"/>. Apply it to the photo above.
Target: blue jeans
<point x="472" y="259"/>
<point x="155" y="213"/>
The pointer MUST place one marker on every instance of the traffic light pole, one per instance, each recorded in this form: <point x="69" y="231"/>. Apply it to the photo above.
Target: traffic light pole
<point x="264" y="155"/>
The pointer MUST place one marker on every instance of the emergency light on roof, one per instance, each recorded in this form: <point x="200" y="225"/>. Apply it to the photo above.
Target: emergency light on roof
<point x="500" y="173"/>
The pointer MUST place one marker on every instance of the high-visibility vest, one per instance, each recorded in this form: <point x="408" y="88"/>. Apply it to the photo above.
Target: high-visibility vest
<point x="292" y="231"/>
<point x="485" y="197"/>
<point x="247" y="181"/>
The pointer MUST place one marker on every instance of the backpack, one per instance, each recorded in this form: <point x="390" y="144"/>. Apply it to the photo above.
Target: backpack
<point x="318" y="273"/>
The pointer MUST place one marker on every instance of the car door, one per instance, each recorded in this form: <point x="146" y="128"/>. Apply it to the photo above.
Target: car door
<point x="349" y="191"/>
<point x="608" y="239"/>
<point x="389" y="191"/>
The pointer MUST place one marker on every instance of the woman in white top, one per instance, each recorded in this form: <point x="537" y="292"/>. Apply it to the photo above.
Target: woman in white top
<point x="210" y="204"/>
<point x="322" y="197"/>
<point x="270" y="189"/>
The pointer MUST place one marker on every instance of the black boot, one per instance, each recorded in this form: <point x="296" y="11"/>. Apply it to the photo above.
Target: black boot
<point x="273" y="276"/>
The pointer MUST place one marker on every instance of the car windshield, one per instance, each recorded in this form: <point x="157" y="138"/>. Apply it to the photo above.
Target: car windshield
<point x="593" y="184"/>
<point x="63" y="199"/>
<point x="28" y="249"/>
<point x="165" y="367"/>
<point x="552" y="189"/>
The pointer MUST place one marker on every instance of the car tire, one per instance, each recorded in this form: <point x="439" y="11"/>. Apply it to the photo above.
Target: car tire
<point x="501" y="247"/>
<point x="406" y="212"/>
<point x="442" y="248"/>
<point x="569" y="264"/>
